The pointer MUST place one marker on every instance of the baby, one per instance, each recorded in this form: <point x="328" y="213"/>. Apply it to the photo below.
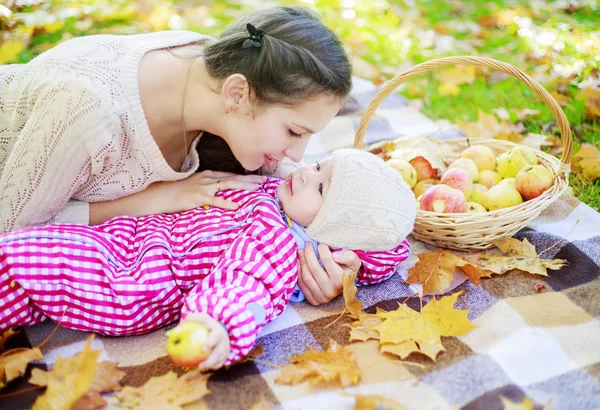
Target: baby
<point x="232" y="270"/>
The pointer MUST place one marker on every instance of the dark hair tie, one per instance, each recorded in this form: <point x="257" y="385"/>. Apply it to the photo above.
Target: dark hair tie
<point x="254" y="37"/>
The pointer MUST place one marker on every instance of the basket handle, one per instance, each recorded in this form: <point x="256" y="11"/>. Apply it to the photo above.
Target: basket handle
<point x="563" y="123"/>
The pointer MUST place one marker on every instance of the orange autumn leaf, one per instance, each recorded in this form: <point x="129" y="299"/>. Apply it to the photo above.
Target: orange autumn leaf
<point x="375" y="402"/>
<point x="562" y="99"/>
<point x="487" y="126"/>
<point x="352" y="304"/>
<point x="64" y="389"/>
<point x="106" y="379"/>
<point x="166" y="392"/>
<point x="5" y="336"/>
<point x="591" y="93"/>
<point x="434" y="270"/>
<point x="13" y="363"/>
<point x="588" y="158"/>
<point x="335" y="365"/>
<point x="438" y="318"/>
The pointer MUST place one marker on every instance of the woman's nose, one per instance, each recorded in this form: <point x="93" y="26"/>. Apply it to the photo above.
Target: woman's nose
<point x="296" y="151"/>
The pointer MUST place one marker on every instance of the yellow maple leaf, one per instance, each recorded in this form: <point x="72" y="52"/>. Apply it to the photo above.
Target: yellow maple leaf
<point x="363" y="329"/>
<point x="447" y="88"/>
<point x="166" y="392"/>
<point x="336" y="364"/>
<point x="438" y="318"/>
<point x="106" y="379"/>
<point x="375" y="402"/>
<point x="518" y="255"/>
<point x="588" y="158"/>
<point x="65" y="389"/>
<point x="13" y="363"/>
<point x="402" y="350"/>
<point x="434" y="270"/>
<point x="352" y="304"/>
<point x="487" y="126"/>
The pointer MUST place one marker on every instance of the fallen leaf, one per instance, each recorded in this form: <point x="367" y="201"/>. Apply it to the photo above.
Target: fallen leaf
<point x="402" y="350"/>
<point x="438" y="318"/>
<point x="336" y="364"/>
<point x="473" y="270"/>
<point x="447" y="88"/>
<point x="106" y="379"/>
<point x="591" y="94"/>
<point x="166" y="392"/>
<point x="364" y="328"/>
<point x="526" y="404"/>
<point x="9" y="50"/>
<point x="487" y="126"/>
<point x="13" y="363"/>
<point x="375" y="402"/>
<point x="525" y="113"/>
<point x="588" y="158"/>
<point x="434" y="270"/>
<point x="540" y="288"/>
<point x="460" y="74"/>
<point x="263" y="404"/>
<point x="256" y="351"/>
<point x="5" y="336"/>
<point x="352" y="304"/>
<point x="64" y="389"/>
<point x="562" y="99"/>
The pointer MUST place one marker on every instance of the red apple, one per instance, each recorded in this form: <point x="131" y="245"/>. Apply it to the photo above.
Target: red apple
<point x="424" y="169"/>
<point x="459" y="179"/>
<point x="533" y="180"/>
<point x="442" y="198"/>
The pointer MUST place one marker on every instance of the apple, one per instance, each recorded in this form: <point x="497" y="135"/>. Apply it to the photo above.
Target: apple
<point x="475" y="208"/>
<point x="186" y="345"/>
<point x="408" y="172"/>
<point x="508" y="181"/>
<point x="511" y="162"/>
<point x="489" y="178"/>
<point x="478" y="194"/>
<point x="482" y="156"/>
<point x="468" y="165"/>
<point x="422" y="186"/>
<point x="442" y="198"/>
<point x="502" y="196"/>
<point x="424" y="169"/>
<point x="533" y="180"/>
<point x="458" y="178"/>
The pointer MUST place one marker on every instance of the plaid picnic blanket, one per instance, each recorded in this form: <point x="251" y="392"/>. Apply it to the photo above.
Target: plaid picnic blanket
<point x="542" y="345"/>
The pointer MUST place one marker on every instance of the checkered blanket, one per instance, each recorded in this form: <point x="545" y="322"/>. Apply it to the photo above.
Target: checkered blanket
<point x="542" y="345"/>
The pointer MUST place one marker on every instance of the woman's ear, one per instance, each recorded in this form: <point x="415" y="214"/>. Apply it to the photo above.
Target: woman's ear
<point x="235" y="92"/>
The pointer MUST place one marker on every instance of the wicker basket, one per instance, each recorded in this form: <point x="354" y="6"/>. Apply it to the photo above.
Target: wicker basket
<point x="465" y="231"/>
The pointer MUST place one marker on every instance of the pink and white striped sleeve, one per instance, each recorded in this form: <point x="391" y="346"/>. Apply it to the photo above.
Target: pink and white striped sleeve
<point x="379" y="266"/>
<point x="249" y="286"/>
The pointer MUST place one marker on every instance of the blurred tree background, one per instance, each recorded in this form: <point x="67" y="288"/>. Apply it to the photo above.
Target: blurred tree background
<point x="557" y="42"/>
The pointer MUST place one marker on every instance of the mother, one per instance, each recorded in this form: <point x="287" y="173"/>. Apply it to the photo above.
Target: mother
<point x="101" y="126"/>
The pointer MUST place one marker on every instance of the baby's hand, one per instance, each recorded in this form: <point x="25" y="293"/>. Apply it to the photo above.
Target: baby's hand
<point x="217" y="343"/>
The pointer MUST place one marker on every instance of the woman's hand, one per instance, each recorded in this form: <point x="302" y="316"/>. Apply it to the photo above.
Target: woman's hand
<point x="218" y="341"/>
<point x="323" y="285"/>
<point x="176" y="196"/>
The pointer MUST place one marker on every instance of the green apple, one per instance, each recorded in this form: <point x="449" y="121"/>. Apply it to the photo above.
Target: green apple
<point x="482" y="156"/>
<point x="408" y="172"/>
<point x="511" y="162"/>
<point x="475" y="208"/>
<point x="468" y="165"/>
<point x="533" y="180"/>
<point x="187" y="343"/>
<point x="502" y="196"/>
<point x="422" y="186"/>
<point x="478" y="194"/>
<point x="489" y="178"/>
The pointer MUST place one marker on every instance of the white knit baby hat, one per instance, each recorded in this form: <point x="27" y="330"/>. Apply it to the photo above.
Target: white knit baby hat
<point x="368" y="205"/>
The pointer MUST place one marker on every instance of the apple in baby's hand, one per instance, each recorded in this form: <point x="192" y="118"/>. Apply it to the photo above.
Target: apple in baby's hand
<point x="408" y="172"/>
<point x="459" y="179"/>
<point x="442" y="198"/>
<point x="533" y="180"/>
<point x="467" y="165"/>
<point x="511" y="162"/>
<point x="475" y="208"/>
<point x="489" y="178"/>
<point x="482" y="156"/>
<point x="423" y="168"/>
<point x="478" y="194"/>
<point x="502" y="195"/>
<point x="422" y="186"/>
<point x="187" y="343"/>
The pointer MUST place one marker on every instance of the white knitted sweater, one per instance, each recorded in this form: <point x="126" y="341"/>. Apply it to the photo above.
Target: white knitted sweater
<point x="73" y="131"/>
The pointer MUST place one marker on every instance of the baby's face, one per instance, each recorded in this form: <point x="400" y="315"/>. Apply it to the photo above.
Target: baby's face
<point x="302" y="193"/>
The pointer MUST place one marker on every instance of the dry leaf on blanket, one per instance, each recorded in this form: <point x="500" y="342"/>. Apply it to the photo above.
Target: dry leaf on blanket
<point x="166" y="392"/>
<point x="262" y="404"/>
<point x="364" y="328"/>
<point x="64" y="389"/>
<point x="425" y="329"/>
<point x="5" y="336"/>
<point x="526" y="404"/>
<point x="106" y="379"/>
<point x="588" y="158"/>
<point x="258" y="350"/>
<point x="375" y="402"/>
<point x="336" y="364"/>
<point x="13" y="363"/>
<point x="352" y="304"/>
<point x="520" y="255"/>
<point x="434" y="270"/>
<point x="487" y="126"/>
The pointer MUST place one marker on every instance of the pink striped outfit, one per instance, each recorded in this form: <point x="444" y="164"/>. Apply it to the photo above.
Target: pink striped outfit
<point x="133" y="275"/>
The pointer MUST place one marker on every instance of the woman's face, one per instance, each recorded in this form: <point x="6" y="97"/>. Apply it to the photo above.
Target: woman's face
<point x="277" y="131"/>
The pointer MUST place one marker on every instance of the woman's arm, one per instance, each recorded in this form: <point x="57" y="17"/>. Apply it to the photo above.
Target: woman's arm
<point x="176" y="196"/>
